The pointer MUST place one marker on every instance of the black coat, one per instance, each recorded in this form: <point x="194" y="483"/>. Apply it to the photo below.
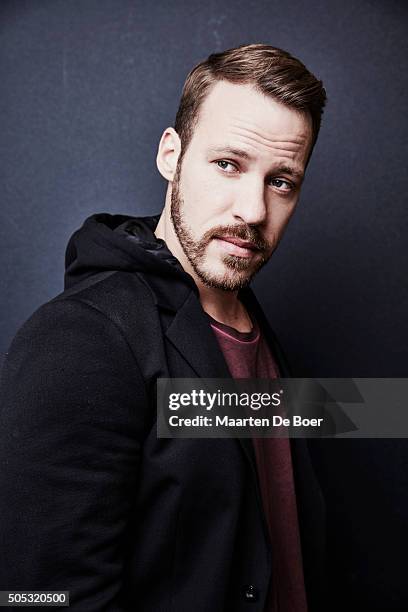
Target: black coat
<point x="91" y="500"/>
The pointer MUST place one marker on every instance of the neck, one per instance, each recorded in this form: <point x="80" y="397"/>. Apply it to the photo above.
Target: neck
<point x="223" y="306"/>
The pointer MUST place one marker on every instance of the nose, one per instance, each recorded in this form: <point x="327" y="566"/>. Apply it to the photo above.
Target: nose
<point x="250" y="203"/>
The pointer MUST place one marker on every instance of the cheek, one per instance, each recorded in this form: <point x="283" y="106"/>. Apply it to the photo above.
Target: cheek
<point x="279" y="217"/>
<point x="205" y="196"/>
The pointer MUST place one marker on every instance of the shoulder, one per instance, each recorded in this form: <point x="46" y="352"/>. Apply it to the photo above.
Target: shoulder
<point x="73" y="359"/>
<point x="91" y="322"/>
<point x="110" y="291"/>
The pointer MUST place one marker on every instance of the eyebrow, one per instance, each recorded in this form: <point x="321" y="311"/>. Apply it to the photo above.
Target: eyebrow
<point x="279" y="169"/>
<point x="231" y="151"/>
<point x="284" y="169"/>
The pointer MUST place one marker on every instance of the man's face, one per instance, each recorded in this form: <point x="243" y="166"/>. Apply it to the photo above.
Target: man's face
<point x="238" y="183"/>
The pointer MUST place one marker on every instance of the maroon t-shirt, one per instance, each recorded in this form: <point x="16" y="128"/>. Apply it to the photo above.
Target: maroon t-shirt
<point x="248" y="356"/>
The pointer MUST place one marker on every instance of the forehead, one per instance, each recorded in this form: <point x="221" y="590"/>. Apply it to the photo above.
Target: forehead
<point x="239" y="115"/>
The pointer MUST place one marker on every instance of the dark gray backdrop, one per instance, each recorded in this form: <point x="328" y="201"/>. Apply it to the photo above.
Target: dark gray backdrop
<point x="88" y="86"/>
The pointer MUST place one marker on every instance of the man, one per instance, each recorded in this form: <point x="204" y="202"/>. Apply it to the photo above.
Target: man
<point x="92" y="501"/>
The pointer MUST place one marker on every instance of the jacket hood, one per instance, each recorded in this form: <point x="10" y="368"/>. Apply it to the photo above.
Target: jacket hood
<point x="108" y="242"/>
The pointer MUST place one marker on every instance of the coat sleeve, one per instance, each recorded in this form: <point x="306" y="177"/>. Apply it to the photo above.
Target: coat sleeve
<point x="73" y="413"/>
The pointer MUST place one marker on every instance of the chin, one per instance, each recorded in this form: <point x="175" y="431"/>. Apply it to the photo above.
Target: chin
<point x="226" y="279"/>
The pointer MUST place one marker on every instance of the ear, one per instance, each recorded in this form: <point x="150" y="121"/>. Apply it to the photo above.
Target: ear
<point x="168" y="153"/>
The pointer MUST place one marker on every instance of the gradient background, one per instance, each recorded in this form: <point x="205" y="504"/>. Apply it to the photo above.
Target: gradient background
<point x="87" y="88"/>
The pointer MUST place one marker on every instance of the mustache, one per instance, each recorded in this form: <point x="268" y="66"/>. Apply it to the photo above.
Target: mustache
<point x="244" y="232"/>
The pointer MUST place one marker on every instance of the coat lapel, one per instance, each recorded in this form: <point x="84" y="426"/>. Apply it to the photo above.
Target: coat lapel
<point x="193" y="337"/>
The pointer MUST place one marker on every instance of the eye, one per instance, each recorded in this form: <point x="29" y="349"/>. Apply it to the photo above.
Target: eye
<point x="226" y="166"/>
<point x="281" y="184"/>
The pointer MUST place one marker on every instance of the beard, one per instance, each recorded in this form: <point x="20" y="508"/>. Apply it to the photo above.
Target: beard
<point x="238" y="270"/>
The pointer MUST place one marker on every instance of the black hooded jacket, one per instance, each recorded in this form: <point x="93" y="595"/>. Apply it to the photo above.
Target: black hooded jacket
<point x="92" y="502"/>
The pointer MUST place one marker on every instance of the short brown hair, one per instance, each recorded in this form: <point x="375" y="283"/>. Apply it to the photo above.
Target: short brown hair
<point x="272" y="71"/>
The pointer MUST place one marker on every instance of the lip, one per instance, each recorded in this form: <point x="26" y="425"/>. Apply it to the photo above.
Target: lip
<point x="236" y="246"/>
<point x="243" y="244"/>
